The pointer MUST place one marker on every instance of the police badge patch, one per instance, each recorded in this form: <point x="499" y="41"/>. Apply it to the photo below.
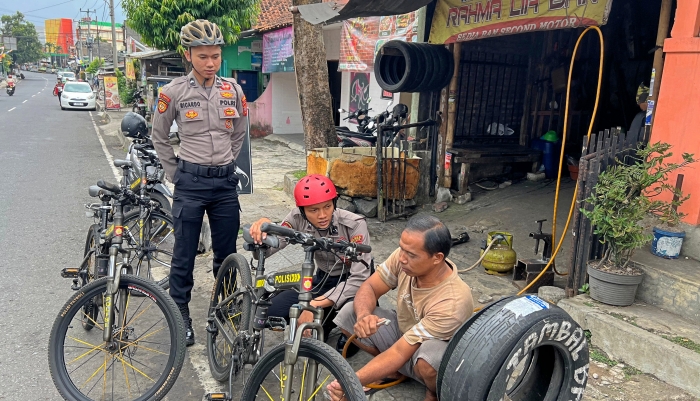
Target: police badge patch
<point x="244" y="103"/>
<point x="162" y="106"/>
<point x="229" y="123"/>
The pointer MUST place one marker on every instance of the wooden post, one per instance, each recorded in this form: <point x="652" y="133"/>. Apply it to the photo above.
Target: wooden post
<point x="452" y="112"/>
<point x="661" y="35"/>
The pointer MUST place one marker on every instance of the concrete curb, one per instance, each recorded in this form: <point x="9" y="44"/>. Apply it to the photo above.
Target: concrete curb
<point x="645" y="351"/>
<point x="282" y="140"/>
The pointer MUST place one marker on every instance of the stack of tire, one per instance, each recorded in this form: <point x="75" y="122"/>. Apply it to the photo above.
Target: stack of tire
<point x="517" y="348"/>
<point x="413" y="67"/>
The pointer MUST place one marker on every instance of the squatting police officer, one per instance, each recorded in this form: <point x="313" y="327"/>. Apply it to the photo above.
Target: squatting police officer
<point x="211" y="115"/>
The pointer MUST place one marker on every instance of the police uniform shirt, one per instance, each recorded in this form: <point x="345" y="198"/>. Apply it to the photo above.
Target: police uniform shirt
<point x="211" y="122"/>
<point x="350" y="227"/>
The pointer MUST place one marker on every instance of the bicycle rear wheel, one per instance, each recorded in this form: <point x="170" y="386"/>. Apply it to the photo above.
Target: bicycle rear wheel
<point x="152" y="262"/>
<point x="265" y="379"/>
<point x="144" y="358"/>
<point x="91" y="245"/>
<point x="234" y="275"/>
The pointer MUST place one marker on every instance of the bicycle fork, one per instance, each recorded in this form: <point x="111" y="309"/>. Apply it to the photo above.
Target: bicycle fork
<point x="293" y="342"/>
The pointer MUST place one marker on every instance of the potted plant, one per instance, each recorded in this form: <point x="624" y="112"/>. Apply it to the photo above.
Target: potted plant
<point x="623" y="197"/>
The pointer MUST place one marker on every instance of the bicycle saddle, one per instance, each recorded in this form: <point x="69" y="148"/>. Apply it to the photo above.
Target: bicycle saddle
<point x="122" y="163"/>
<point x="96" y="191"/>
<point x="271" y="240"/>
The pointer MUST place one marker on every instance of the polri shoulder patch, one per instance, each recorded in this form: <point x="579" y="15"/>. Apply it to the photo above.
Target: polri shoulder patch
<point x="162" y="106"/>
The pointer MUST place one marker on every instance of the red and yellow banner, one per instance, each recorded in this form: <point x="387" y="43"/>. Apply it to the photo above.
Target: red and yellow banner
<point x="361" y="38"/>
<point x="463" y="20"/>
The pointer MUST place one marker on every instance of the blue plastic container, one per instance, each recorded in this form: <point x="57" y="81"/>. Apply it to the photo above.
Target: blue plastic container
<point x="667" y="244"/>
<point x="550" y="156"/>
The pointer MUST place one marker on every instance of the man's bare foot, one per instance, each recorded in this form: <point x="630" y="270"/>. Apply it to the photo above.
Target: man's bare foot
<point x="430" y="396"/>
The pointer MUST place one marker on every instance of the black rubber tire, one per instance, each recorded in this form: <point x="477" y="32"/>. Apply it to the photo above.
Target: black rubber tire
<point x="428" y="67"/>
<point x="172" y="315"/>
<point x="457" y="337"/>
<point x="90" y="310"/>
<point x="440" y="67"/>
<point x="549" y="342"/>
<point x="448" y="63"/>
<point x="399" y="73"/>
<point x="133" y="216"/>
<point x="313" y="349"/>
<point x="162" y="200"/>
<point x="239" y="264"/>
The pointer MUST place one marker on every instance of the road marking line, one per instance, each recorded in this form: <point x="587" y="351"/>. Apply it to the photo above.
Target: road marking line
<point x="39" y="93"/>
<point x="12" y="109"/>
<point x="33" y="95"/>
<point x="25" y="101"/>
<point x="110" y="159"/>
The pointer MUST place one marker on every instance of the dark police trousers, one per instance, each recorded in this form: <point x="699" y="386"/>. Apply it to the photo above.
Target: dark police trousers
<point x="199" y="189"/>
<point x="321" y="285"/>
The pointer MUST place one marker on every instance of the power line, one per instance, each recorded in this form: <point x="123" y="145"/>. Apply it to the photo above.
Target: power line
<point x="43" y="8"/>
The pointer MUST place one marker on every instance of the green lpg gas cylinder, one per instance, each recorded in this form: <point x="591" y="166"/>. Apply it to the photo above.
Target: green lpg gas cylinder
<point x="501" y="258"/>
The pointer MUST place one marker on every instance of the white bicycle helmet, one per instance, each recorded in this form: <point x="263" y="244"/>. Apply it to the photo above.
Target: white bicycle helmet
<point x="201" y="33"/>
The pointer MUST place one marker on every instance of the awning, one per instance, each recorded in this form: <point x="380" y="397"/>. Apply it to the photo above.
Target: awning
<point x="335" y="11"/>
<point x="152" y="55"/>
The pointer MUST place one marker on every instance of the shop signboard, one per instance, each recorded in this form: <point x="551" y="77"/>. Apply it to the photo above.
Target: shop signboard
<point x="361" y="38"/>
<point x="278" y="51"/>
<point x="112" y="101"/>
<point x="460" y="20"/>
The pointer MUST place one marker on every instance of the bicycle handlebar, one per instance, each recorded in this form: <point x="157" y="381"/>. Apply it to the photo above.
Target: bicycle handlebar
<point x="306" y="239"/>
<point x="108" y="186"/>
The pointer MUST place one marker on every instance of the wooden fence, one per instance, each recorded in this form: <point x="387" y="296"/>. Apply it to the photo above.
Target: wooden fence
<point x="604" y="149"/>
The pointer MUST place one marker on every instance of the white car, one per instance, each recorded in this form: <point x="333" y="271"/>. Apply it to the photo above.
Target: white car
<point x="67" y="76"/>
<point x="77" y="95"/>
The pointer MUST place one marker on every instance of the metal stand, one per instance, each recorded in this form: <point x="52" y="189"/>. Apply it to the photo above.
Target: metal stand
<point x="526" y="270"/>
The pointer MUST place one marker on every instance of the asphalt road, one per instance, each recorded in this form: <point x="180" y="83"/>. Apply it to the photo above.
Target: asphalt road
<point x="48" y="158"/>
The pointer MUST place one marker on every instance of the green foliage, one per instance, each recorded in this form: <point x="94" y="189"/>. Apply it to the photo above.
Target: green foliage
<point x="7" y="62"/>
<point x="94" y="66"/>
<point x="125" y="93"/>
<point x="599" y="356"/>
<point x="159" y="21"/>
<point x="584" y="289"/>
<point x="28" y="45"/>
<point x="299" y="174"/>
<point x="625" y="194"/>
<point x="684" y="342"/>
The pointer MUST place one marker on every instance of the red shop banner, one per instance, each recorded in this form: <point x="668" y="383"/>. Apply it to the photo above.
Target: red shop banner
<point x="361" y="38"/>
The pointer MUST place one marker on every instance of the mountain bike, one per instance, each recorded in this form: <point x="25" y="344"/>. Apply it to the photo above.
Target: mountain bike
<point x="149" y="234"/>
<point x="238" y="318"/>
<point x="139" y="349"/>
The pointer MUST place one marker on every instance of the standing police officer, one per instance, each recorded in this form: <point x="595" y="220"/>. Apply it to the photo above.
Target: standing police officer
<point x="211" y="115"/>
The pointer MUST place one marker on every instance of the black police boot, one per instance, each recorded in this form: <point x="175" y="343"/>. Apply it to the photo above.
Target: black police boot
<point x="352" y="349"/>
<point x="189" y="332"/>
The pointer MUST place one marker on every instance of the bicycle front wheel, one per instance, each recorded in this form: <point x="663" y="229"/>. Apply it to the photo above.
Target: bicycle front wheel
<point x="234" y="275"/>
<point x="142" y="361"/>
<point x="317" y="366"/>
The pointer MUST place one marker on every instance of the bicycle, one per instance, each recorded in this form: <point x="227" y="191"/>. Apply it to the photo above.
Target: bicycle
<point x="235" y="336"/>
<point x="142" y="340"/>
<point x="148" y="230"/>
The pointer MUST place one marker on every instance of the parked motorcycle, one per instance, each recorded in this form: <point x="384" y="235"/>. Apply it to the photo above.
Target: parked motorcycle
<point x="10" y="88"/>
<point x="366" y="135"/>
<point x="139" y="103"/>
<point x="158" y="191"/>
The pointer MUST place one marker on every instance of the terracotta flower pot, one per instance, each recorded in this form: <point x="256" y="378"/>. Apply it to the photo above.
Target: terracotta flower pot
<point x="573" y="172"/>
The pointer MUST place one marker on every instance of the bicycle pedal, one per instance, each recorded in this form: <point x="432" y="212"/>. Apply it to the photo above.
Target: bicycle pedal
<point x="275" y="323"/>
<point x="217" y="396"/>
<point x="70" y="272"/>
<point x="75" y="286"/>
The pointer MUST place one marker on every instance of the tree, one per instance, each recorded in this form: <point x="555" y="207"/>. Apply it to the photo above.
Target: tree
<point x="28" y="45"/>
<point x="159" y="21"/>
<point x="312" y="82"/>
<point x="94" y="66"/>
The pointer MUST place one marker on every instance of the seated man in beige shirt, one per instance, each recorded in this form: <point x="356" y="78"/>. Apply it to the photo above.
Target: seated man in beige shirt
<point x="432" y="302"/>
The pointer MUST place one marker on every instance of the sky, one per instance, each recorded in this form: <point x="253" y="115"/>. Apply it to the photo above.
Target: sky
<point x="36" y="11"/>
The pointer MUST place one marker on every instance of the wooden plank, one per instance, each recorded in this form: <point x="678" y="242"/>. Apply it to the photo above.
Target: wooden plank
<point x="575" y="238"/>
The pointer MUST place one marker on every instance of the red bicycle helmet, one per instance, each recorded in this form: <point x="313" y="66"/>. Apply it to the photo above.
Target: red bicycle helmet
<point x="314" y="189"/>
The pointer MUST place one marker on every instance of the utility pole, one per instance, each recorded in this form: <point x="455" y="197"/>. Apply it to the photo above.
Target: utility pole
<point x="114" y="36"/>
<point x="87" y="36"/>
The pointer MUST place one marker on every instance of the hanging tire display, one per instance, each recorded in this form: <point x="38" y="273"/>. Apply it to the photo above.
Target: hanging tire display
<point x="522" y="347"/>
<point x="413" y="67"/>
